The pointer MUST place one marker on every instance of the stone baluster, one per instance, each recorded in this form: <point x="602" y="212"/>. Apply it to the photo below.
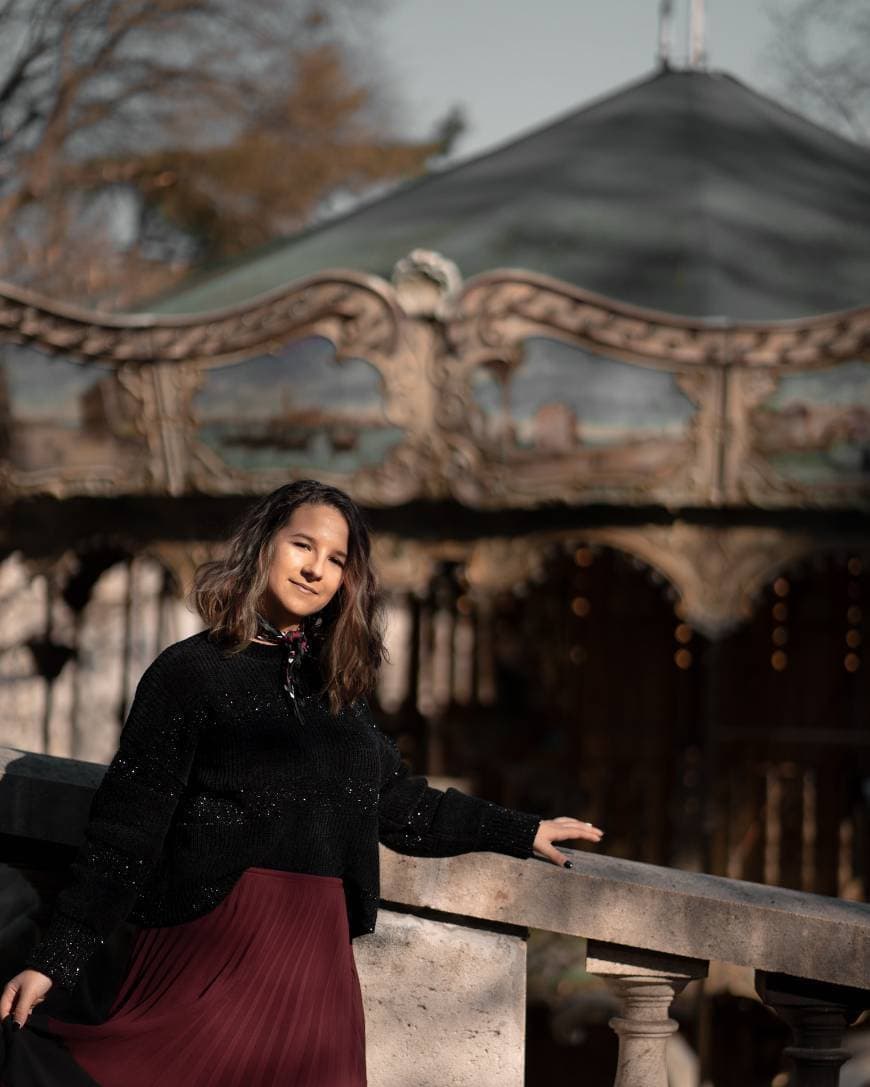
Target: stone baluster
<point x="818" y="1016"/>
<point x="646" y="983"/>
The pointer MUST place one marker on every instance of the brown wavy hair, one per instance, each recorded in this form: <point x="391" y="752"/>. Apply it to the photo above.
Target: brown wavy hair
<point x="347" y="632"/>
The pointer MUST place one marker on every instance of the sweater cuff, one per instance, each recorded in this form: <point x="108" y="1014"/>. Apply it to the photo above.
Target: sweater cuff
<point x="505" y="830"/>
<point x="64" y="949"/>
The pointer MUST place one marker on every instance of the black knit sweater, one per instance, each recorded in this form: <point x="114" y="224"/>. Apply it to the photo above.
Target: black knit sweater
<point x="215" y="774"/>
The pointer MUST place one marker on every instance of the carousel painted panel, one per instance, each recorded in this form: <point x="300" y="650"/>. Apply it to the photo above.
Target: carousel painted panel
<point x="576" y="422"/>
<point x="296" y="411"/>
<point x="68" y="427"/>
<point x="812" y="433"/>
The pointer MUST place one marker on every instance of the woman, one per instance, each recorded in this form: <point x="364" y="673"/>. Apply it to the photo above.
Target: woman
<point x="237" y="827"/>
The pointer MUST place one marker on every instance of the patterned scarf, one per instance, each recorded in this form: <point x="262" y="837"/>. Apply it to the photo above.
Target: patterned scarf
<point x="296" y="645"/>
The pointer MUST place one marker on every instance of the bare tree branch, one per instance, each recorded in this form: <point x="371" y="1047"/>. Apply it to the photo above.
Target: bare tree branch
<point x="819" y="52"/>
<point x="194" y="113"/>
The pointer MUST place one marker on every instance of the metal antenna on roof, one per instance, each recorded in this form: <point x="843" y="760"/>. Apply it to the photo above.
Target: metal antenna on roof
<point x="666" y="10"/>
<point x="697" y="35"/>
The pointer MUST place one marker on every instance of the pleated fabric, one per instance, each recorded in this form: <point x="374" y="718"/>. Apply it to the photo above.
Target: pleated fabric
<point x="262" y="991"/>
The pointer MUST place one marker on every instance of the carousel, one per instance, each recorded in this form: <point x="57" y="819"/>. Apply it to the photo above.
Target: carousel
<point x="604" y="393"/>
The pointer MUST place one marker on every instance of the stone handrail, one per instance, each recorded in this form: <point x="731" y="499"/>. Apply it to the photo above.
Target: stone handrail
<point x="649" y="930"/>
<point x="651" y="908"/>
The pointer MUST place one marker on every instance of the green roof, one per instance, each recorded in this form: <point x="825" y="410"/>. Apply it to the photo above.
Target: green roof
<point x="687" y="192"/>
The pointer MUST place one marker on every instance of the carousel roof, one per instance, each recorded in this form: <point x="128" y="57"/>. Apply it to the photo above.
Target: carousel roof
<point x="686" y="192"/>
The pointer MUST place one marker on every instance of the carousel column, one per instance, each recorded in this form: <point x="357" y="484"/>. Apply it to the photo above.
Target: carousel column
<point x="396" y="680"/>
<point x="818" y="1016"/>
<point x="485" y="669"/>
<point x="646" y="984"/>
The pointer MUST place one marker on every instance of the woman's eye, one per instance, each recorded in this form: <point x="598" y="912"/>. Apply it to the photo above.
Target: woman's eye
<point x="339" y="563"/>
<point x="299" y="543"/>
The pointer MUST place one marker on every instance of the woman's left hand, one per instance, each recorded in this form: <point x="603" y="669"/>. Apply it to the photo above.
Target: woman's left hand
<point x="560" y="829"/>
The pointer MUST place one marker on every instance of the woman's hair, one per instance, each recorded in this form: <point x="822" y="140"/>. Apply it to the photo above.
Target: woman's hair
<point x="227" y="591"/>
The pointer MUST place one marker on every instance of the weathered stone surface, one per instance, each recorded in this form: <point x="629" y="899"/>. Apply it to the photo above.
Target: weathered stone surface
<point x="615" y="960"/>
<point x="444" y="1004"/>
<point x="645" y="906"/>
<point x="646" y="983"/>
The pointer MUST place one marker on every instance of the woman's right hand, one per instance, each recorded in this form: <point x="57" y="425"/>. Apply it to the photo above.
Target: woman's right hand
<point x="22" y="993"/>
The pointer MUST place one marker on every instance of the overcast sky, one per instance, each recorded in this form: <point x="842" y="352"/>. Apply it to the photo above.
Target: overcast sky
<point x="514" y="64"/>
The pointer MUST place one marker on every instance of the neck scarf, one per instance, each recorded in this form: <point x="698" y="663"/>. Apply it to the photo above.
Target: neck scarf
<point x="295" y="645"/>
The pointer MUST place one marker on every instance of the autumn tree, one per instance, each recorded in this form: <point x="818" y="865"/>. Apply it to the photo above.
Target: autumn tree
<point x="141" y="137"/>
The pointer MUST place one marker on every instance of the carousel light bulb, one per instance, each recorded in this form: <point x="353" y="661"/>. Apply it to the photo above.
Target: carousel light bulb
<point x="583" y="556"/>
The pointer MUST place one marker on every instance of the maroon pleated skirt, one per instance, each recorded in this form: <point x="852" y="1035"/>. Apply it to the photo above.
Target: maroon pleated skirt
<point x="262" y="991"/>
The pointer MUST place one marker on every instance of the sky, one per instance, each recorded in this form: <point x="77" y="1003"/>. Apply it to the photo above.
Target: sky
<point x="515" y="64"/>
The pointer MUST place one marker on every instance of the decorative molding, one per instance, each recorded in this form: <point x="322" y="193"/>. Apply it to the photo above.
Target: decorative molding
<point x="718" y="572"/>
<point x="182" y="558"/>
<point x="425" y="334"/>
<point x="427" y="284"/>
<point x="358" y="312"/>
<point x="499" y="309"/>
<point x="491" y="314"/>
<point x="403" y="565"/>
<point x="500" y="565"/>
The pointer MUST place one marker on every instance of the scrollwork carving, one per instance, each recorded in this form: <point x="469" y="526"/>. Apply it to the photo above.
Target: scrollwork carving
<point x="499" y="309"/>
<point x="718" y="571"/>
<point x="426" y="335"/>
<point x="359" y="313"/>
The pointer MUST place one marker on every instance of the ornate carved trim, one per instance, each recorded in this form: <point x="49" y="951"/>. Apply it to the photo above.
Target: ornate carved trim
<point x="499" y="309"/>
<point x="425" y="335"/>
<point x="358" y="312"/>
<point x="718" y="571"/>
<point x="492" y="313"/>
<point x="427" y="284"/>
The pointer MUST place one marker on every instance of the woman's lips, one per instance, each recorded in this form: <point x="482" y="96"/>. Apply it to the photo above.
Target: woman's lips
<point x="303" y="588"/>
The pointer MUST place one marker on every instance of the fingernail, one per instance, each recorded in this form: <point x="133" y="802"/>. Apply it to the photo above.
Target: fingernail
<point x="568" y="864"/>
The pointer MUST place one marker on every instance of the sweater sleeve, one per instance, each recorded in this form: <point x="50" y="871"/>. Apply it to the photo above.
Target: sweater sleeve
<point x="129" y="817"/>
<point x="416" y="818"/>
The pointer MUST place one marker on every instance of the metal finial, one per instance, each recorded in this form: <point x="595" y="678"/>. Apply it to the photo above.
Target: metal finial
<point x="666" y="10"/>
<point x="697" y="35"/>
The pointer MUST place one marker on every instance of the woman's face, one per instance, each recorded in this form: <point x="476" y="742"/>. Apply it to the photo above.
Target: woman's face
<point x="307" y="565"/>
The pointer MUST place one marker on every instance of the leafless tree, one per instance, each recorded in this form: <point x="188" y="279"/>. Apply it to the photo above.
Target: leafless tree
<point x="820" y="53"/>
<point x="137" y="136"/>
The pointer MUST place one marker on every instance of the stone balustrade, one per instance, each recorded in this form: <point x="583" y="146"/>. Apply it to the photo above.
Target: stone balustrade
<point x="444" y="975"/>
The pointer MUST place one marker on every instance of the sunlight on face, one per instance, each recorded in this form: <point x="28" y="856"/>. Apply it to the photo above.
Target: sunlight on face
<point x="307" y="566"/>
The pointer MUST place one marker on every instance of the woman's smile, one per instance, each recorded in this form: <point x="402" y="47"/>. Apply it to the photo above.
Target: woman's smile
<point x="310" y="553"/>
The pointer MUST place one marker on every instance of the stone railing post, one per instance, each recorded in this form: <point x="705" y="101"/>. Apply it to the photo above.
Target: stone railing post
<point x="646" y="983"/>
<point x="818" y="1016"/>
